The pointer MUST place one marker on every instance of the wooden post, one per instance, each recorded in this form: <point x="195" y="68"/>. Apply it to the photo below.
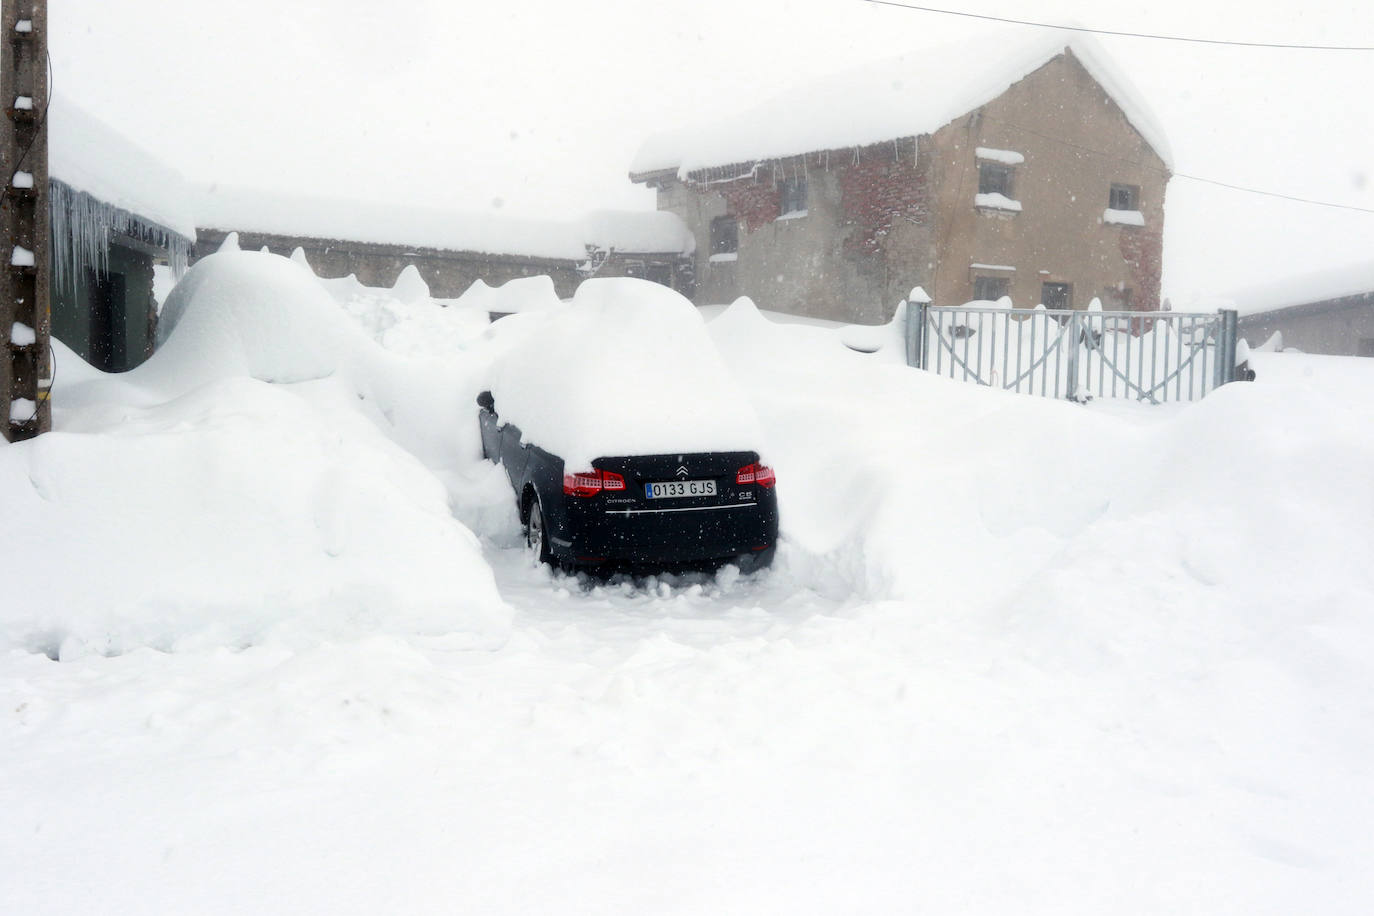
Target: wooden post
<point x="25" y="262"/>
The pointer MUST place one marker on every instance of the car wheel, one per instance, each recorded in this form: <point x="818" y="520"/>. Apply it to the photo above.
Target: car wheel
<point x="536" y="537"/>
<point x="753" y="562"/>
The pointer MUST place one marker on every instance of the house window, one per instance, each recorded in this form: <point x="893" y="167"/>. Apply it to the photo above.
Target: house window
<point x="994" y="178"/>
<point x="793" y="191"/>
<point x="989" y="289"/>
<point x="724" y="236"/>
<point x="1056" y="295"/>
<point x="1124" y="197"/>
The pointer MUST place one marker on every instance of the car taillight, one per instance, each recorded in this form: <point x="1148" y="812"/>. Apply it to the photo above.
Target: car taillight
<point x="760" y="474"/>
<point x="590" y="483"/>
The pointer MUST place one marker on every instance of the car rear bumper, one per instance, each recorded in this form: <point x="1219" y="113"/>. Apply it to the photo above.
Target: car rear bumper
<point x="599" y="532"/>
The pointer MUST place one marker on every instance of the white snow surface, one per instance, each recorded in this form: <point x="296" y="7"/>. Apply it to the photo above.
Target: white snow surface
<point x="1016" y="655"/>
<point x="1006" y="156"/>
<point x="626" y="368"/>
<point x="996" y="201"/>
<point x="21" y="257"/>
<point x="247" y="210"/>
<point x="21" y="335"/>
<point x="22" y="410"/>
<point x="89" y="155"/>
<point x="1123" y="217"/>
<point x="916" y="93"/>
<point x="1301" y="289"/>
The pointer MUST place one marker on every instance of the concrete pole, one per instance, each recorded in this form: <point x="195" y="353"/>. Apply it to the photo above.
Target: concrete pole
<point x="25" y="262"/>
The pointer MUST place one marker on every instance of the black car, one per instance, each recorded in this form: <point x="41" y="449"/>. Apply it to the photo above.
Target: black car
<point x="638" y="511"/>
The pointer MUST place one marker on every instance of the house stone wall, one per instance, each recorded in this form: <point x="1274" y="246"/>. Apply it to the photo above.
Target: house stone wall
<point x="894" y="215"/>
<point x="448" y="273"/>
<point x="865" y="238"/>
<point x="1076" y="142"/>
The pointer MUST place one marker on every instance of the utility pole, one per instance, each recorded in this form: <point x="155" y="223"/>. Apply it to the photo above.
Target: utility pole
<point x="25" y="263"/>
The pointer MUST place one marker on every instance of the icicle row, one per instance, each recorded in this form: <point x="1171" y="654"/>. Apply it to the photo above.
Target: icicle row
<point x="81" y="228"/>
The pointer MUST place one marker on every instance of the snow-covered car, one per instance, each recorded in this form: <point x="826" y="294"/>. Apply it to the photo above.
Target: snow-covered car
<point x="624" y="438"/>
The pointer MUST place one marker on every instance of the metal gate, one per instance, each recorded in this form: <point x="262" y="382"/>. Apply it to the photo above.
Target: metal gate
<point x="1145" y="356"/>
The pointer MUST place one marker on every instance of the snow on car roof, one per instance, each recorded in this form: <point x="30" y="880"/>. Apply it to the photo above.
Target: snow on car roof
<point x="625" y="368"/>
<point x="915" y="93"/>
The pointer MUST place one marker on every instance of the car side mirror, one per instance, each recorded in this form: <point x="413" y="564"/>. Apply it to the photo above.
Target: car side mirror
<point x="486" y="401"/>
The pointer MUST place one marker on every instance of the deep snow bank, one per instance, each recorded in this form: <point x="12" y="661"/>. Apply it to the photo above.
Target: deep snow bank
<point x="898" y="484"/>
<point x="245" y="484"/>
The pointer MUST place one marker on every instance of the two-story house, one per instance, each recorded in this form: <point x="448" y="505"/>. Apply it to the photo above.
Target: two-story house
<point x="975" y="172"/>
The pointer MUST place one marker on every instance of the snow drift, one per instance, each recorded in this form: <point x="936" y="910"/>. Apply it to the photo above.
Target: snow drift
<point x="1016" y="655"/>
<point x="242" y="485"/>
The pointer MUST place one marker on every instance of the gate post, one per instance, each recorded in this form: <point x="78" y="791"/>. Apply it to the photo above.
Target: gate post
<point x="1075" y="331"/>
<point x="1228" y="352"/>
<point x="916" y="334"/>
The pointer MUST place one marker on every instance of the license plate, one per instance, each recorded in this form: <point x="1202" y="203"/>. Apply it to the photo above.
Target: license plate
<point x="670" y="489"/>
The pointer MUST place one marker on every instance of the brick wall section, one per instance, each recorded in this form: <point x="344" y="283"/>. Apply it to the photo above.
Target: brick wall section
<point x="879" y="189"/>
<point x="754" y="201"/>
<point x="1143" y="252"/>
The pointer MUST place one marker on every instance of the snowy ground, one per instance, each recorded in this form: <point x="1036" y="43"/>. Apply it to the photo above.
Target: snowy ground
<point x="267" y="644"/>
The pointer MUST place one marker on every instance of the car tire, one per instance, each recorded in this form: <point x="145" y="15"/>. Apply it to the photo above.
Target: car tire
<point x="536" y="534"/>
<point x="753" y="562"/>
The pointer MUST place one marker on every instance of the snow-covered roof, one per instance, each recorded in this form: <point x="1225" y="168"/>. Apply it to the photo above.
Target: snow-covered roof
<point x="1306" y="289"/>
<point x="86" y="154"/>
<point x="638" y="230"/>
<point x="915" y="93"/>
<point x="248" y="210"/>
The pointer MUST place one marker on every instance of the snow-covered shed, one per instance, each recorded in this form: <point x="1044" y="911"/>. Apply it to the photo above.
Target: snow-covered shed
<point x="976" y="170"/>
<point x="116" y="211"/>
<point x="452" y="250"/>
<point x="1330" y="311"/>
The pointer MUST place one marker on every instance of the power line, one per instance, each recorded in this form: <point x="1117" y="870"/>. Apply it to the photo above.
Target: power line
<point x="1075" y="28"/>
<point x="1198" y="178"/>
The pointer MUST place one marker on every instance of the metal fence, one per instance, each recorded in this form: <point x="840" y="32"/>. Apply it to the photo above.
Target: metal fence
<point x="1145" y="356"/>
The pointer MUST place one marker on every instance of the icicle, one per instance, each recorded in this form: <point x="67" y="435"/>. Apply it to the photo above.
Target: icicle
<point x="81" y="230"/>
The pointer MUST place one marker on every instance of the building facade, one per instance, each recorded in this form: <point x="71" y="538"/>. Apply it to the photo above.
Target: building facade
<point x="1047" y="188"/>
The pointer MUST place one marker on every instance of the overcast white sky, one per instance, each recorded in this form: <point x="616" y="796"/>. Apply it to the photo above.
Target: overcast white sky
<point x="537" y="107"/>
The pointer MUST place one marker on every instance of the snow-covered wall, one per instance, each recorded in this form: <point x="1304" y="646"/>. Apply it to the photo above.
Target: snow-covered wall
<point x="248" y="210"/>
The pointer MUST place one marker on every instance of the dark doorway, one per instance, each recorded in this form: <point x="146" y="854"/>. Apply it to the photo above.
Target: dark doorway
<point x="109" y="321"/>
<point x="1057" y="295"/>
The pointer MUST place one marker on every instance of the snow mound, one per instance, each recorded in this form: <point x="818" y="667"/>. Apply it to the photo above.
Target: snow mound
<point x="236" y="515"/>
<point x="525" y="294"/>
<point x="248" y="313"/>
<point x="626" y="369"/>
<point x="259" y="479"/>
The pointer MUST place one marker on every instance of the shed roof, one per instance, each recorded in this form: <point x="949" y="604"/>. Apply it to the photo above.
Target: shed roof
<point x="915" y="93"/>
<point x="86" y="154"/>
<point x="1307" y="289"/>
<point x="249" y="210"/>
